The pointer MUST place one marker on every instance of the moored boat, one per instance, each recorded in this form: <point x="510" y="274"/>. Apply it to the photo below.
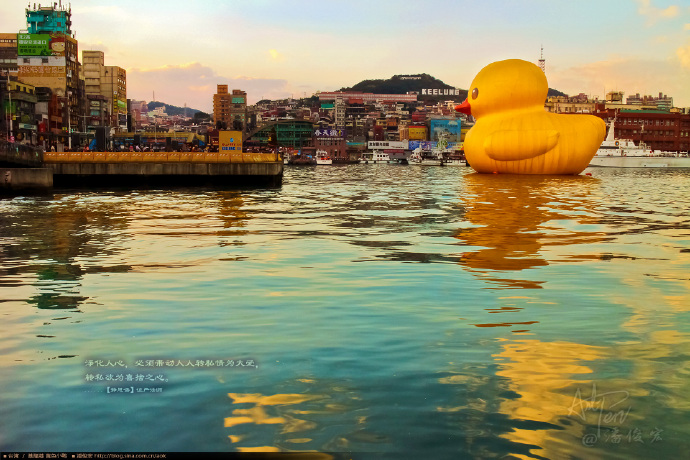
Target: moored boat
<point x="425" y="157"/>
<point x="454" y="159"/>
<point x="441" y="155"/>
<point x="624" y="153"/>
<point x="322" y="158"/>
<point x="302" y="160"/>
<point x="376" y="157"/>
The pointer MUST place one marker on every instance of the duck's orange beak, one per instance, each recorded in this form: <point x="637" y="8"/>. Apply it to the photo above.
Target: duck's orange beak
<point x="464" y="108"/>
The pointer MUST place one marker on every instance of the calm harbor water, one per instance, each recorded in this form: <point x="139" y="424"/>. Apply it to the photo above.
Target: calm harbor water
<point x="419" y="311"/>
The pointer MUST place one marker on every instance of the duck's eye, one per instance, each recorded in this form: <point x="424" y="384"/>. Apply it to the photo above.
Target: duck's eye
<point x="475" y="93"/>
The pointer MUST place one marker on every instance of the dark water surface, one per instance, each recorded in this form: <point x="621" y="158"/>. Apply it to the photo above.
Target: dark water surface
<point x="425" y="311"/>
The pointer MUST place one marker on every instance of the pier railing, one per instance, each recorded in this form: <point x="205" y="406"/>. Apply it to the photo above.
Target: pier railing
<point x="159" y="157"/>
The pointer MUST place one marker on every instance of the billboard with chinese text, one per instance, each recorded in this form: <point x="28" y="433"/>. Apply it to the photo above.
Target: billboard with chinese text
<point x="331" y="133"/>
<point x="40" y="44"/>
<point x="49" y="71"/>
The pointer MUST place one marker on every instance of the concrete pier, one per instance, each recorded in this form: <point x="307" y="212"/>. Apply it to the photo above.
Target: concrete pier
<point x="183" y="173"/>
<point x="15" y="181"/>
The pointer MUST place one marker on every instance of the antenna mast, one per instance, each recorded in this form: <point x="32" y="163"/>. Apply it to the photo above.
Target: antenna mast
<point x="542" y="61"/>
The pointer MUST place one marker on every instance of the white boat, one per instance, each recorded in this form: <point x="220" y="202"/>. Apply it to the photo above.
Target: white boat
<point x="396" y="150"/>
<point x="442" y="155"/>
<point x="623" y="153"/>
<point x="376" y="157"/>
<point x="454" y="160"/>
<point x="425" y="157"/>
<point x="322" y="158"/>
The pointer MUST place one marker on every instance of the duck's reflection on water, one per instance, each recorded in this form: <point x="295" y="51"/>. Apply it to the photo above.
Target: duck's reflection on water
<point x="520" y="221"/>
<point x="300" y="421"/>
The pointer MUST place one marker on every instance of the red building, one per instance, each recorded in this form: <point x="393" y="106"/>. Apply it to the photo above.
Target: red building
<point x="659" y="130"/>
<point x="333" y="142"/>
<point x="352" y="97"/>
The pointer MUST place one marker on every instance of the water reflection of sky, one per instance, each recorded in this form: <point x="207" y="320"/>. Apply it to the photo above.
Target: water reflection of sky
<point x="383" y="311"/>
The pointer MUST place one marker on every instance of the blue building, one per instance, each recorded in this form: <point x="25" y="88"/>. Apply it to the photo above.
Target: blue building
<point x="48" y="19"/>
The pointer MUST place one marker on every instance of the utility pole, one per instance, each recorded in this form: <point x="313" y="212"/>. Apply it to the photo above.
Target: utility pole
<point x="9" y="108"/>
<point x="69" y="121"/>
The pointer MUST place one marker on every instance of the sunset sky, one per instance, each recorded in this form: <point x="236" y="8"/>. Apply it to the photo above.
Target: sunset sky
<point x="281" y="48"/>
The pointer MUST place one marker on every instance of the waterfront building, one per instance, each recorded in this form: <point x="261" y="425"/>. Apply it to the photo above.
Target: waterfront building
<point x="294" y="134"/>
<point x="340" y="110"/>
<point x="109" y="82"/>
<point x="238" y="110"/>
<point x="663" y="102"/>
<point x="97" y="112"/>
<point x="47" y="56"/>
<point x="230" y="109"/>
<point x="356" y="128"/>
<point x="333" y="142"/>
<point x="50" y="110"/>
<point x="19" y="105"/>
<point x="657" y="129"/>
<point x="565" y="104"/>
<point x="139" y="111"/>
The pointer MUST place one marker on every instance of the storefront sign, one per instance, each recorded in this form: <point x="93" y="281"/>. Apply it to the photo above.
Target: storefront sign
<point x="331" y="133"/>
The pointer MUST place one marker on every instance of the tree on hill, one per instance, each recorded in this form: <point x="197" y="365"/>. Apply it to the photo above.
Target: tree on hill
<point x="200" y="117"/>
<point x="553" y="92"/>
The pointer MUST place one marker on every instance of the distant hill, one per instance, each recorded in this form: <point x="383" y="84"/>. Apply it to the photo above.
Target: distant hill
<point x="554" y="92"/>
<point x="172" y="110"/>
<point x="401" y="84"/>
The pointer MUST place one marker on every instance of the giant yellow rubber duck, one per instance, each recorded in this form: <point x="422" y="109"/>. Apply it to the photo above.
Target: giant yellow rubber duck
<point x="514" y="134"/>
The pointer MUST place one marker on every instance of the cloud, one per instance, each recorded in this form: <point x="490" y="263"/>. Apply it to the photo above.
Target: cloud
<point x="686" y="26"/>
<point x="683" y="54"/>
<point x="654" y="14"/>
<point x="275" y="55"/>
<point x="195" y="84"/>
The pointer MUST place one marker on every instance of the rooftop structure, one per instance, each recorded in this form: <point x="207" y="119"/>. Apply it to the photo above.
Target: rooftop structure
<point x="49" y="19"/>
